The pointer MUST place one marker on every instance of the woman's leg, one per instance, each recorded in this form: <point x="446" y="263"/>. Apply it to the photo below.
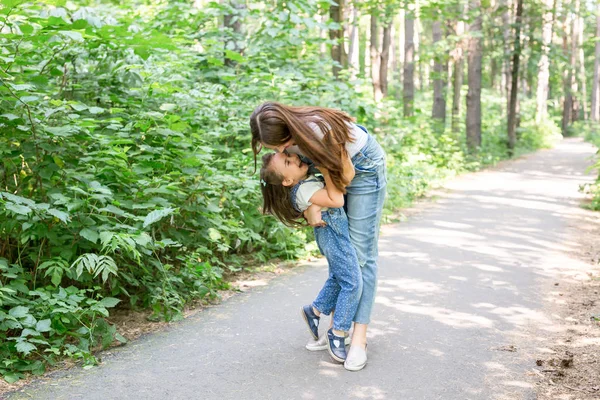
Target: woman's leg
<point x="364" y="215"/>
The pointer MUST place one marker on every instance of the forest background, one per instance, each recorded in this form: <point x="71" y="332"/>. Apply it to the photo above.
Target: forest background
<point x="126" y="172"/>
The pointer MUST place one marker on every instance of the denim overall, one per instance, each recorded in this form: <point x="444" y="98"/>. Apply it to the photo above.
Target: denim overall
<point x="343" y="288"/>
<point x="363" y="206"/>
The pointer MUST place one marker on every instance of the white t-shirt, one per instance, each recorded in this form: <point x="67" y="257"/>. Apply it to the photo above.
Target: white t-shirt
<point x="306" y="190"/>
<point x="360" y="139"/>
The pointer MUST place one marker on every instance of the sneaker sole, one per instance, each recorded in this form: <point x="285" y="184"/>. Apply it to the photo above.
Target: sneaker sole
<point x="336" y="358"/>
<point x="354" y="369"/>
<point x="308" y="324"/>
<point x="316" y="348"/>
<point x="324" y="347"/>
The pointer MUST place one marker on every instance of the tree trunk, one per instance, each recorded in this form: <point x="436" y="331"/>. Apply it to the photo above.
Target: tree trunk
<point x="582" y="78"/>
<point x="375" y="56"/>
<point x="457" y="74"/>
<point x="568" y="80"/>
<point x="417" y="41"/>
<point x="439" y="93"/>
<point x="232" y="22"/>
<point x="338" y="52"/>
<point x="506" y="60"/>
<point x="512" y="111"/>
<point x="574" y="53"/>
<point x="385" y="58"/>
<point x="595" y="111"/>
<point x="409" y="64"/>
<point x="401" y="40"/>
<point x="474" y="78"/>
<point x="544" y="63"/>
<point x="353" y="44"/>
<point x="362" y="51"/>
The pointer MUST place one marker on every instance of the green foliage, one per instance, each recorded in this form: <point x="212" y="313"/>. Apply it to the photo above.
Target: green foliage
<point x="125" y="163"/>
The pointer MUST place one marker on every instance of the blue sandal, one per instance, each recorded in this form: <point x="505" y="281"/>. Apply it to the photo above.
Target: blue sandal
<point x="312" y="320"/>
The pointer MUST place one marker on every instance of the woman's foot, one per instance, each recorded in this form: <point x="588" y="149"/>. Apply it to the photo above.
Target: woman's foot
<point x="336" y="346"/>
<point x="312" y="320"/>
<point x="357" y="358"/>
<point x="321" y="344"/>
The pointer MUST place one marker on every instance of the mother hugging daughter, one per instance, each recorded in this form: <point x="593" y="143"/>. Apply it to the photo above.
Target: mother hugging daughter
<point x="344" y="206"/>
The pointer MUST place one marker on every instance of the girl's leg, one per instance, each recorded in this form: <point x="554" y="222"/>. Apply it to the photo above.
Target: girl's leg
<point x="327" y="297"/>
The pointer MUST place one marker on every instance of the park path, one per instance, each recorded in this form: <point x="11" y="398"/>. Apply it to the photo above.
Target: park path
<point x="461" y="283"/>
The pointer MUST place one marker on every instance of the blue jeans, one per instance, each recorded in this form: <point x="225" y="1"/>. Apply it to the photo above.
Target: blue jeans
<point x="364" y="205"/>
<point x="342" y="290"/>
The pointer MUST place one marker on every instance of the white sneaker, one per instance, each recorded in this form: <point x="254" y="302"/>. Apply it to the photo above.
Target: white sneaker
<point x="322" y="343"/>
<point x="356" y="359"/>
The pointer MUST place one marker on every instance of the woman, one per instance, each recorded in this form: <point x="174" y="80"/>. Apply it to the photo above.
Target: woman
<point x="327" y="137"/>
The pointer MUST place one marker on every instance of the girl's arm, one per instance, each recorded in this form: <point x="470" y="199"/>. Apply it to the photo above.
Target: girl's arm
<point x="313" y="216"/>
<point x="331" y="196"/>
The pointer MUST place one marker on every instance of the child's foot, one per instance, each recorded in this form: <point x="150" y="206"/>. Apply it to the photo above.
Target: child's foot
<point x="357" y="358"/>
<point x="322" y="343"/>
<point x="312" y="320"/>
<point x="336" y="346"/>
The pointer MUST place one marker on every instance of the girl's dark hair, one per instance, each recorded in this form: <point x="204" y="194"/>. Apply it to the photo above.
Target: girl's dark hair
<point x="276" y="197"/>
<point x="275" y="124"/>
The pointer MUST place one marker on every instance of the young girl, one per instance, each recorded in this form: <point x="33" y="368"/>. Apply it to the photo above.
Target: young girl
<point x="288" y="190"/>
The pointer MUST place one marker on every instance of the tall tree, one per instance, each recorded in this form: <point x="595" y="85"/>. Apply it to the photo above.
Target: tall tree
<point x="338" y="51"/>
<point x="474" y="78"/>
<point x="595" y="110"/>
<point x="512" y="111"/>
<point x="232" y="22"/>
<point x="582" y="77"/>
<point x="505" y="5"/>
<point x="544" y="63"/>
<point x="458" y="60"/>
<point x="386" y="44"/>
<point x="569" y="80"/>
<point x="439" y="88"/>
<point x="409" y="63"/>
<point x="375" y="55"/>
<point x="353" y="56"/>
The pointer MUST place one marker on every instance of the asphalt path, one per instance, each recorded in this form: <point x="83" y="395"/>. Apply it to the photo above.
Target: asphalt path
<point x="458" y="314"/>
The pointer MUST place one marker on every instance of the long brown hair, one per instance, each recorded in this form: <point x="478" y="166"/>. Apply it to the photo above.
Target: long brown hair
<point x="275" y="124"/>
<point x="276" y="197"/>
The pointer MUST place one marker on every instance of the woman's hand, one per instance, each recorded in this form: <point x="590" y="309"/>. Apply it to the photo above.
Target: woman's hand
<point x="313" y="216"/>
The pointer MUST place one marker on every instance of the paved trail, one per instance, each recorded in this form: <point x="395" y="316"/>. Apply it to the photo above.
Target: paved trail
<point x="458" y="281"/>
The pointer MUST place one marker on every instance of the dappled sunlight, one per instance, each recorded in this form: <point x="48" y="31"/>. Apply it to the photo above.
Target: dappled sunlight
<point x="410" y="285"/>
<point x="445" y="316"/>
<point x="367" y="392"/>
<point x="424" y="257"/>
<point x="521" y="315"/>
<point x="521" y="384"/>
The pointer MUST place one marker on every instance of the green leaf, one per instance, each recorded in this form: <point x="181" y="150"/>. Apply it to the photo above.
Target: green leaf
<point x="11" y="378"/>
<point x="157" y="215"/>
<point x="168" y="107"/>
<point x="25" y="347"/>
<point x="19" y="311"/>
<point x="89" y="234"/>
<point x="96" y="110"/>
<point x="214" y="234"/>
<point x="18" y="209"/>
<point x="61" y="215"/>
<point x="43" y="325"/>
<point x="120" y="338"/>
<point x="232" y="55"/>
<point x="109" y="302"/>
